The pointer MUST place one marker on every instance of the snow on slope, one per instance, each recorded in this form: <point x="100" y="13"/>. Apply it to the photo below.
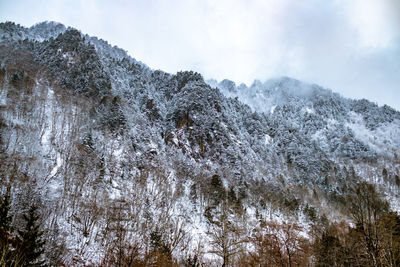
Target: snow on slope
<point x="146" y="146"/>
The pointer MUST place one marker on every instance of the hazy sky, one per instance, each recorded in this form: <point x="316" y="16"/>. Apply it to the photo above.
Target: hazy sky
<point x="352" y="47"/>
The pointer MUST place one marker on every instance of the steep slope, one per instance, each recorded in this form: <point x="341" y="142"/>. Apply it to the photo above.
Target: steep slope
<point x="334" y="127"/>
<point x="119" y="156"/>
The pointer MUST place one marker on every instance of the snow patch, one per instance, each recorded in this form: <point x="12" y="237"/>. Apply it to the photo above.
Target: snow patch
<point x="117" y="153"/>
<point x="268" y="139"/>
<point x="3" y="98"/>
<point x="382" y="140"/>
<point x="309" y="110"/>
<point x="175" y="139"/>
<point x="69" y="57"/>
<point x="46" y="136"/>
<point x="235" y="139"/>
<point x="59" y="163"/>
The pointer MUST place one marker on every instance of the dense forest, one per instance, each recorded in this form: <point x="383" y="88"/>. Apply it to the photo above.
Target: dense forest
<point x="107" y="162"/>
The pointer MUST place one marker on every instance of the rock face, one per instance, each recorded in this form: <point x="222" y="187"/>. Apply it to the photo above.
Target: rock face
<point x="122" y="158"/>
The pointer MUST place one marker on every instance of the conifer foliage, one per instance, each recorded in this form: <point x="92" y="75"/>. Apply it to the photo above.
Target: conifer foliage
<point x="32" y="245"/>
<point x="8" y="255"/>
<point x="5" y="218"/>
<point x="138" y="167"/>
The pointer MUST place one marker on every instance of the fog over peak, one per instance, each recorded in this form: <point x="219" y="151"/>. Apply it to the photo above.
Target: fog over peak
<point x="351" y="47"/>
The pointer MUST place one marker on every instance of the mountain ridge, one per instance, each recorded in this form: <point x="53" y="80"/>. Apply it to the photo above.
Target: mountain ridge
<point x="91" y="130"/>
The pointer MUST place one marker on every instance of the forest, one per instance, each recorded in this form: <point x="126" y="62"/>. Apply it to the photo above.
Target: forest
<point x="107" y="162"/>
<point x="370" y="238"/>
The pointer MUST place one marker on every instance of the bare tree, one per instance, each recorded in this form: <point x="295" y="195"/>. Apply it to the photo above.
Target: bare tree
<point x="281" y="245"/>
<point x="366" y="207"/>
<point x="226" y="234"/>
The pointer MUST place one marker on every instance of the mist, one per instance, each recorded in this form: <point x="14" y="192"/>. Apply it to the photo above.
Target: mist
<point x="352" y="47"/>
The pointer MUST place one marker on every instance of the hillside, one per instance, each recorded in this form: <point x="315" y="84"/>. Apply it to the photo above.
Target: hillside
<point x="126" y="162"/>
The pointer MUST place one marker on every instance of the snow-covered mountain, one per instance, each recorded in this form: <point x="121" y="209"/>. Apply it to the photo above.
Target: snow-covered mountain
<point x="119" y="155"/>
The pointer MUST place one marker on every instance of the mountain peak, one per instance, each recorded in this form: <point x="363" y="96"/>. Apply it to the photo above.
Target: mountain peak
<point x="128" y="161"/>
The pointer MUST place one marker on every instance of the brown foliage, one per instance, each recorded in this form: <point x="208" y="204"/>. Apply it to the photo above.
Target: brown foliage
<point x="280" y="245"/>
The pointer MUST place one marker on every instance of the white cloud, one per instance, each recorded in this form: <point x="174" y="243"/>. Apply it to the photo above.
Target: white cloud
<point x="376" y="21"/>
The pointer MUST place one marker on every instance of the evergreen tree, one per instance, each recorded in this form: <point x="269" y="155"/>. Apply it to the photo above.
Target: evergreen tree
<point x="5" y="218"/>
<point x="217" y="190"/>
<point x="31" y="243"/>
<point x="7" y="257"/>
<point x="328" y="251"/>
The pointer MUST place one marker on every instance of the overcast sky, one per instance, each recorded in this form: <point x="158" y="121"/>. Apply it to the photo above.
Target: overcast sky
<point x="352" y="47"/>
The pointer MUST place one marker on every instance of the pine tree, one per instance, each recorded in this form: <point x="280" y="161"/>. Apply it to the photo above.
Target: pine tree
<point x="328" y="251"/>
<point x="5" y="218"/>
<point x="8" y="255"/>
<point x="31" y="243"/>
